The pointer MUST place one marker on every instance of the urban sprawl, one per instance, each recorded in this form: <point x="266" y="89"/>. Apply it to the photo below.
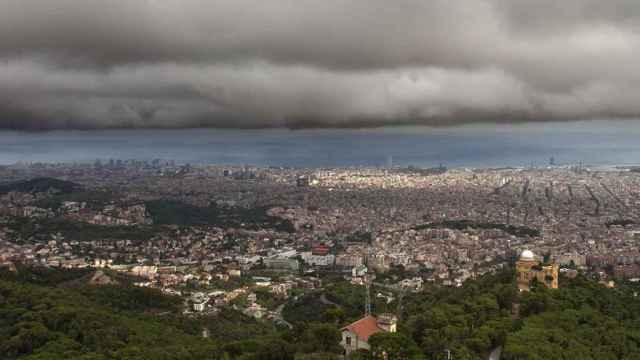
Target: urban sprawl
<point x="222" y="235"/>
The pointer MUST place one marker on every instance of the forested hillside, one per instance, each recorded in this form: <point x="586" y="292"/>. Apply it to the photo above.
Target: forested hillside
<point x="37" y="185"/>
<point x="45" y="322"/>
<point x="48" y="314"/>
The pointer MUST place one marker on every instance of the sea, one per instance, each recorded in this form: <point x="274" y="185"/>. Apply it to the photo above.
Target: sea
<point x="604" y="143"/>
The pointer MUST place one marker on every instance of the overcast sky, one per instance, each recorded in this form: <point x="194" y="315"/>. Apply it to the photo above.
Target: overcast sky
<point x="245" y="63"/>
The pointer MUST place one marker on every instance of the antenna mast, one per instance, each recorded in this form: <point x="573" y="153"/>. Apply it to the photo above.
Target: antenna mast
<point x="367" y="304"/>
<point x="367" y="279"/>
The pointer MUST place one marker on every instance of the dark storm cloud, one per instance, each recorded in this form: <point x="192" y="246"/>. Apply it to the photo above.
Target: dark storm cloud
<point x="170" y="63"/>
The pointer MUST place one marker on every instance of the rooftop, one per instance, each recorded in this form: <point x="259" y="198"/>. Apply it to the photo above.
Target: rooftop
<point x="364" y="327"/>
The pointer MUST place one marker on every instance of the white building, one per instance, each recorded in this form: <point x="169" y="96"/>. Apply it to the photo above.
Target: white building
<point x="355" y="336"/>
<point x="199" y="305"/>
<point x="318" y="260"/>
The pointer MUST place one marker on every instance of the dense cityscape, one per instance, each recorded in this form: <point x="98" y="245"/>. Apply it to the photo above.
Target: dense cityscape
<point x="266" y="242"/>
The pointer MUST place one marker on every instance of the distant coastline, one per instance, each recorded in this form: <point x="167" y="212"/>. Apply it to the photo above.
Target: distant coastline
<point x="601" y="144"/>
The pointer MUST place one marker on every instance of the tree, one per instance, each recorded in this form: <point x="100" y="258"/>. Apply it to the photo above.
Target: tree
<point x="274" y="349"/>
<point x="322" y="338"/>
<point x="393" y="346"/>
<point x="335" y="315"/>
<point x="506" y="296"/>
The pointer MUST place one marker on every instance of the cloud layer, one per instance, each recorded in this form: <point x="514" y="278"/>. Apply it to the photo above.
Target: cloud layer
<point x="176" y="63"/>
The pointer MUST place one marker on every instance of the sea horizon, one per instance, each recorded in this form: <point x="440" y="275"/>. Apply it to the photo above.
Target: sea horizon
<point x="587" y="142"/>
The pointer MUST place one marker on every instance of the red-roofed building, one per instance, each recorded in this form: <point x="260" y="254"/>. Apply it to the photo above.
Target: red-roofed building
<point x="355" y="336"/>
<point x="320" y="249"/>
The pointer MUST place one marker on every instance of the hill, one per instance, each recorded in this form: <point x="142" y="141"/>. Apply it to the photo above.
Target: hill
<point x="38" y="185"/>
<point x="38" y="230"/>
<point x="42" y="317"/>
<point x="581" y="320"/>
<point x="171" y="212"/>
<point x="40" y="322"/>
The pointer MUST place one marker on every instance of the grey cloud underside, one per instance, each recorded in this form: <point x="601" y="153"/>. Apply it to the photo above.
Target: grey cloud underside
<point x="241" y="63"/>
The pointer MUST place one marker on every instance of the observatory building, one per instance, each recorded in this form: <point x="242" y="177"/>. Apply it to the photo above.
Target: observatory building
<point x="529" y="269"/>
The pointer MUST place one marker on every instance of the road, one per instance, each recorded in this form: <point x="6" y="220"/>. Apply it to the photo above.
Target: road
<point x="279" y="315"/>
<point x="495" y="354"/>
<point x="324" y="300"/>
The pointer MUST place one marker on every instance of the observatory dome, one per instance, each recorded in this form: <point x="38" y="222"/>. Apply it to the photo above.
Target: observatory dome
<point x="527" y="255"/>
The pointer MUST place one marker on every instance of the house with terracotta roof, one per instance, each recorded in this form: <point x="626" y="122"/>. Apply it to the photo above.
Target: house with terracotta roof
<point x="320" y="249"/>
<point x="355" y="336"/>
